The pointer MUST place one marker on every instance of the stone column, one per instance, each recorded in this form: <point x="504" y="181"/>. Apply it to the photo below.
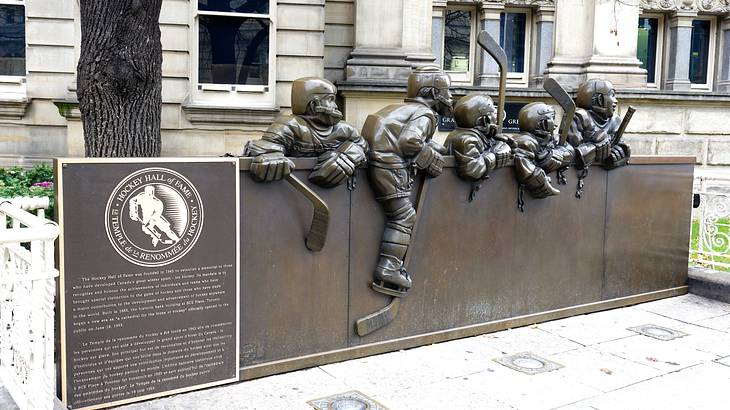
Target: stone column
<point x="416" y="38"/>
<point x="437" y="31"/>
<point x="544" y="24"/>
<point x="680" y="41"/>
<point x="724" y="84"/>
<point x="391" y="36"/>
<point x="573" y="41"/>
<point x="615" y="34"/>
<point x="596" y="39"/>
<point x="487" y="69"/>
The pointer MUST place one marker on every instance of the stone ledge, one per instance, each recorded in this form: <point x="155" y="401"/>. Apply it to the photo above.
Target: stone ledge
<point x="709" y="283"/>
<point x="229" y="115"/>
<point x="399" y="86"/>
<point x="68" y="109"/>
<point x="13" y="109"/>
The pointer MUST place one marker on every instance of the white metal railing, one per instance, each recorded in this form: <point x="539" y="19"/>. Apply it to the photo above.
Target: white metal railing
<point x="710" y="241"/>
<point x="27" y="290"/>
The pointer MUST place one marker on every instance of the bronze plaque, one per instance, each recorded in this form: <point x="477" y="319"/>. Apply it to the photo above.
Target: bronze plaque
<point x="149" y="277"/>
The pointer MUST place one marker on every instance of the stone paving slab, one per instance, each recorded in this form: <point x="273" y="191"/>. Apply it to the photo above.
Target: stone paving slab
<point x="286" y="391"/>
<point x="381" y="375"/>
<point x="605" y="366"/>
<point x="466" y="392"/>
<point x="530" y="338"/>
<point x="721" y="323"/>
<point x="602" y="370"/>
<point x="667" y="356"/>
<point x="703" y="386"/>
<point x="688" y="308"/>
<point x="600" y="327"/>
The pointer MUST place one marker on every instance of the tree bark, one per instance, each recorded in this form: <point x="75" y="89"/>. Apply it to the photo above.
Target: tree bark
<point x="120" y="77"/>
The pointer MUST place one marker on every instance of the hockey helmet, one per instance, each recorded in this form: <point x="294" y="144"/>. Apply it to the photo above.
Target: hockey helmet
<point x="597" y="95"/>
<point x="537" y="118"/>
<point x="427" y="76"/>
<point x="473" y="107"/>
<point x="304" y="90"/>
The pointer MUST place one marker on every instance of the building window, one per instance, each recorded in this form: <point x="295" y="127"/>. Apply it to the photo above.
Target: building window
<point x="12" y="39"/>
<point x="460" y="28"/>
<point x="235" y="60"/>
<point x="647" y="47"/>
<point x="699" y="56"/>
<point x="512" y="38"/>
<point x="459" y="44"/>
<point x="233" y="42"/>
<point x="514" y="33"/>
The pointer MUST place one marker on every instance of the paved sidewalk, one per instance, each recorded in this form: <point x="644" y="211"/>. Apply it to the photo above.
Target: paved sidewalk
<point x="600" y="365"/>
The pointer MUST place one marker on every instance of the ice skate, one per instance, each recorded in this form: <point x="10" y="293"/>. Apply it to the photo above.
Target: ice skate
<point x="391" y="278"/>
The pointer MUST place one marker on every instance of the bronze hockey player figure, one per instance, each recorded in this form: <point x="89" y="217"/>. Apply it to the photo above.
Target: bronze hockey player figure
<point x="538" y="152"/>
<point x="594" y="132"/>
<point x="475" y="144"/>
<point x="313" y="130"/>
<point x="400" y="142"/>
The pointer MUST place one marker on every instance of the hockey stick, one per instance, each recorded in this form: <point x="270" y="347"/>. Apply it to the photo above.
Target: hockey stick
<point x="566" y="103"/>
<point x="384" y="316"/>
<point x="317" y="235"/>
<point x="624" y="123"/>
<point x="493" y="48"/>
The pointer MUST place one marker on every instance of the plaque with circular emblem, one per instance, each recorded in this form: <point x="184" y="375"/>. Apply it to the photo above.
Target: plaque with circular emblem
<point x="154" y="217"/>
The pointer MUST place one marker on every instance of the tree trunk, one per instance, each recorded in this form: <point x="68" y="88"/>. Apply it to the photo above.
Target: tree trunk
<point x="120" y="77"/>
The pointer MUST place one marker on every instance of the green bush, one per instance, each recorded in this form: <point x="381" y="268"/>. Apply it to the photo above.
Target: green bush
<point x="37" y="181"/>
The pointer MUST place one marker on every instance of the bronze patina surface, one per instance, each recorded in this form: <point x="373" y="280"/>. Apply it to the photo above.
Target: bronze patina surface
<point x="293" y="301"/>
<point x="478" y="267"/>
<point x="647" y="227"/>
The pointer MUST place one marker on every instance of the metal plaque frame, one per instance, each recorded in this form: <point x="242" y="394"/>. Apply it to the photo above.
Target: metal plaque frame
<point x="59" y="164"/>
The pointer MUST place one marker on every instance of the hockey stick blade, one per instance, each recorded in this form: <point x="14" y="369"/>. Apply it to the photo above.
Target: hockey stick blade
<point x="566" y="103"/>
<point x="493" y="48"/>
<point x="375" y="321"/>
<point x="317" y="235"/>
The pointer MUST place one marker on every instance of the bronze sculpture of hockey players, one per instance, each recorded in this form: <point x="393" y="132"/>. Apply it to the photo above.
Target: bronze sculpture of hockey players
<point x="399" y="137"/>
<point x="475" y="143"/>
<point x="538" y="152"/>
<point x="596" y="129"/>
<point x="313" y="130"/>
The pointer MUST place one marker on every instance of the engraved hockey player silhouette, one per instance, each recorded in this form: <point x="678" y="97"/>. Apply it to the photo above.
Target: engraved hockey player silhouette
<point x="147" y="209"/>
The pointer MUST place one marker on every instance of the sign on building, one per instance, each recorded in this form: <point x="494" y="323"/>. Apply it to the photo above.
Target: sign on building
<point x="512" y="114"/>
<point x="446" y="123"/>
<point x="510" y="117"/>
<point x="149" y="277"/>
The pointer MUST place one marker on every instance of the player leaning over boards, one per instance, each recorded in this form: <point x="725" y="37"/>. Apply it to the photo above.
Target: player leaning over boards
<point x="400" y="146"/>
<point x="594" y="132"/>
<point x="539" y="151"/>
<point x="475" y="144"/>
<point x="313" y="130"/>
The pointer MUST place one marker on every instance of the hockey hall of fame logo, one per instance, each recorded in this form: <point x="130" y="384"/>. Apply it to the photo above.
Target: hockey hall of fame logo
<point x="154" y="217"/>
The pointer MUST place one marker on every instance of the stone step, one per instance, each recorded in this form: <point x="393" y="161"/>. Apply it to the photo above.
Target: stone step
<point x="709" y="283"/>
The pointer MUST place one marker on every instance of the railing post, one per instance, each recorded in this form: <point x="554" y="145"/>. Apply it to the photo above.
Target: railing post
<point x="27" y="291"/>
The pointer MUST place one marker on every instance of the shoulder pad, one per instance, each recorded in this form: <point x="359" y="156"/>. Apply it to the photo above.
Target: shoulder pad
<point x="526" y="141"/>
<point x="285" y="121"/>
<point x="583" y="117"/>
<point x="345" y="128"/>
<point x="460" y="138"/>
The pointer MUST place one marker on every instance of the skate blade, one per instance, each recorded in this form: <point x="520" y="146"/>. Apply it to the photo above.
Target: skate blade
<point x="388" y="291"/>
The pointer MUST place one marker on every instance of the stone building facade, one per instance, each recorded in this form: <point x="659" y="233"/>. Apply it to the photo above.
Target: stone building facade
<point x="228" y="65"/>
